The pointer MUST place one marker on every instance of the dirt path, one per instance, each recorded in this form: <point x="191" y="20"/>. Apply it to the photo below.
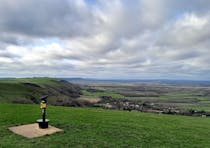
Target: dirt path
<point x="91" y="100"/>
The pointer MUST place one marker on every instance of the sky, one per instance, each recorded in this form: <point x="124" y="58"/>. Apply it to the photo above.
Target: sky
<point x="117" y="39"/>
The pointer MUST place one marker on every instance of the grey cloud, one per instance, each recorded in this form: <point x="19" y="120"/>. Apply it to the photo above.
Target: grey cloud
<point x="118" y="39"/>
<point x="6" y="54"/>
<point x="46" y="18"/>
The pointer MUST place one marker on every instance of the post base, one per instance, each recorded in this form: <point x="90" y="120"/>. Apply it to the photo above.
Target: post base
<point x="43" y="124"/>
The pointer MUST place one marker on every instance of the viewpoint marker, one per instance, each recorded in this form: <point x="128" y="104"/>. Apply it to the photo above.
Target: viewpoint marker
<point x="37" y="130"/>
<point x="43" y="123"/>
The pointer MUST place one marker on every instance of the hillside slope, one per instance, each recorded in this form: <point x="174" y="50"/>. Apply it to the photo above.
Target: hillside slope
<point x="90" y="127"/>
<point x="29" y="90"/>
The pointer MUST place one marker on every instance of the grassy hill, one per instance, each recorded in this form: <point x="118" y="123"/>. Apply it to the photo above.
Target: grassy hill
<point x="93" y="127"/>
<point x="29" y="90"/>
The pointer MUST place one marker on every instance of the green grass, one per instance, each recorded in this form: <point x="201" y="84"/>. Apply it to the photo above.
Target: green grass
<point x="205" y="107"/>
<point x="100" y="94"/>
<point x="14" y="88"/>
<point x="90" y="127"/>
<point x="29" y="90"/>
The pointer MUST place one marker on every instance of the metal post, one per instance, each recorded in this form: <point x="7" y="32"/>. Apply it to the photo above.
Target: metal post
<point x="43" y="114"/>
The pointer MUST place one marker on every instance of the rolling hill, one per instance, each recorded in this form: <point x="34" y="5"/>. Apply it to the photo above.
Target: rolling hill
<point x="29" y="90"/>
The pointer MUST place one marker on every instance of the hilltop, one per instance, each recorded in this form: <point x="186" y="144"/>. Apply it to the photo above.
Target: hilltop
<point x="94" y="127"/>
<point x="29" y="90"/>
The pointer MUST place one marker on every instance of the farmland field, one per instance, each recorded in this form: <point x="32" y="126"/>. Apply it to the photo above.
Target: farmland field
<point x="183" y="95"/>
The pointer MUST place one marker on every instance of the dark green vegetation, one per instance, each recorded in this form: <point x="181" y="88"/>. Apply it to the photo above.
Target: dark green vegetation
<point x="89" y="127"/>
<point x="101" y="94"/>
<point x="29" y="90"/>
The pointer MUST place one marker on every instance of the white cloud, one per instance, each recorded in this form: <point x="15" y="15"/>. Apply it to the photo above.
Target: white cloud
<point x="118" y="39"/>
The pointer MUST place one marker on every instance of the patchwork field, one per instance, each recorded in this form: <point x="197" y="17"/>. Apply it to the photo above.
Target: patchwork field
<point x="184" y="96"/>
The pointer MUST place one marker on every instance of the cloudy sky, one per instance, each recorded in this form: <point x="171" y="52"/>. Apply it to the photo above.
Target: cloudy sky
<point x="118" y="39"/>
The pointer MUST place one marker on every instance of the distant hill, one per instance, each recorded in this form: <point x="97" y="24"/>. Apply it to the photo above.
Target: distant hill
<point x="160" y="81"/>
<point x="29" y="90"/>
